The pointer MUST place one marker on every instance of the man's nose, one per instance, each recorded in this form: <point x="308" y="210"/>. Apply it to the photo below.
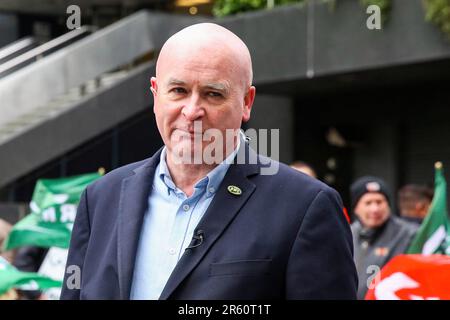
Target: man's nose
<point x="193" y="109"/>
<point x="374" y="207"/>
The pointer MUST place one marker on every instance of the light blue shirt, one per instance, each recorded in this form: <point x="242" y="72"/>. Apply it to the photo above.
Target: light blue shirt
<point x="168" y="226"/>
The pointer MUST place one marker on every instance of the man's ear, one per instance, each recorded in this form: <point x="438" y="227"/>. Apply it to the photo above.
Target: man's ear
<point x="248" y="103"/>
<point x="154" y="90"/>
<point x="153" y="86"/>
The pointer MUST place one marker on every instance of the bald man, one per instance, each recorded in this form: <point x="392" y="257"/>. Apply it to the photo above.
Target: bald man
<point x="201" y="219"/>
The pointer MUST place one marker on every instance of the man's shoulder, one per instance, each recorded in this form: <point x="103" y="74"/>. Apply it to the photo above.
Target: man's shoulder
<point x="297" y="181"/>
<point x="356" y="226"/>
<point x="399" y="233"/>
<point x="296" y="176"/>
<point x="403" y="226"/>
<point x="117" y="175"/>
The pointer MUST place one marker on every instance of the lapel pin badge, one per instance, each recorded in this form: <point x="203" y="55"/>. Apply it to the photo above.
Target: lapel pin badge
<point x="234" y="190"/>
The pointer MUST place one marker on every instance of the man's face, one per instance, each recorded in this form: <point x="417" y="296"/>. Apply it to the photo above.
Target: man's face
<point x="206" y="89"/>
<point x="372" y="210"/>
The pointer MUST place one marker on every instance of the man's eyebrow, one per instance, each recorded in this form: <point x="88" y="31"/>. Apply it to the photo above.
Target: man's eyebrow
<point x="217" y="86"/>
<point x="223" y="87"/>
<point x="175" y="82"/>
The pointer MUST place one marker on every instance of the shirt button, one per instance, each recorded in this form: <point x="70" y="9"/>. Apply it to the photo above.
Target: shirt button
<point x="186" y="207"/>
<point x="172" y="251"/>
<point x="211" y="190"/>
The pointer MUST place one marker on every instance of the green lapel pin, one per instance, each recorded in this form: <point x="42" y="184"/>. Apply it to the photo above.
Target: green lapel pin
<point x="234" y="190"/>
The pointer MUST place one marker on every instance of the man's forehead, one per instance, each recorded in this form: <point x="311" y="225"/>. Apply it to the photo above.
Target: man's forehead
<point x="192" y="59"/>
<point x="203" y="36"/>
<point x="191" y="56"/>
<point x="213" y="84"/>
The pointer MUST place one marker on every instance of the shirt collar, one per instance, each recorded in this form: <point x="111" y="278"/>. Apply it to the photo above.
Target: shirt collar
<point x="210" y="182"/>
<point x="164" y="173"/>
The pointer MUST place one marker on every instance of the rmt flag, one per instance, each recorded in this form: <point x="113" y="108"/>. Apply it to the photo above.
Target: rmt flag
<point x="53" y="211"/>
<point x="413" y="277"/>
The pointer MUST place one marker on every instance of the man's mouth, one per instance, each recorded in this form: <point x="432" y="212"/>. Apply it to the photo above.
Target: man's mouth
<point x="375" y="216"/>
<point x="186" y="133"/>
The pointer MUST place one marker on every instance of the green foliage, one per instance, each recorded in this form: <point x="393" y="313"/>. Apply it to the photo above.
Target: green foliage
<point x="228" y="7"/>
<point x="438" y="12"/>
<point x="385" y="6"/>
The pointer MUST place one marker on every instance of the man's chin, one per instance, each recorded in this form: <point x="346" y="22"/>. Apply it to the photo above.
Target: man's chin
<point x="186" y="153"/>
<point x="376" y="223"/>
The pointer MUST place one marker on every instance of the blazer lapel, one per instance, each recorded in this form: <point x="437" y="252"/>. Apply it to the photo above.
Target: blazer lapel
<point x="133" y="204"/>
<point x="217" y="217"/>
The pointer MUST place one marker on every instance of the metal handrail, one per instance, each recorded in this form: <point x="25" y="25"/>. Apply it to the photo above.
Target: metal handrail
<point x="43" y="50"/>
<point x="8" y="52"/>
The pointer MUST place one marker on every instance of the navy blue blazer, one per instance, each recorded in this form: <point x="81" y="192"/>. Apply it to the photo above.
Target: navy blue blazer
<point x="284" y="237"/>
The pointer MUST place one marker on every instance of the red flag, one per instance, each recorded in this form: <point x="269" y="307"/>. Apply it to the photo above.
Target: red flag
<point x="412" y="277"/>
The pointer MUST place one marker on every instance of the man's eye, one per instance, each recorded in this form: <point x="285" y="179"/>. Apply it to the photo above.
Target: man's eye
<point x="214" y="94"/>
<point x="178" y="90"/>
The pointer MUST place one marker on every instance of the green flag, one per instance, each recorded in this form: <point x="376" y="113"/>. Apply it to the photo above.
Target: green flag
<point x="53" y="211"/>
<point x="10" y="278"/>
<point x="434" y="233"/>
